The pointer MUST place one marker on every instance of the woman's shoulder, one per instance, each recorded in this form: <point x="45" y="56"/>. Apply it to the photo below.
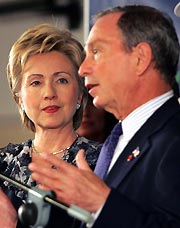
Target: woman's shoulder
<point x="14" y="149"/>
<point x="87" y="144"/>
<point x="91" y="148"/>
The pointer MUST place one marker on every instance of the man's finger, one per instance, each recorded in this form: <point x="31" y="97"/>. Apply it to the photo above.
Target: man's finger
<point x="81" y="161"/>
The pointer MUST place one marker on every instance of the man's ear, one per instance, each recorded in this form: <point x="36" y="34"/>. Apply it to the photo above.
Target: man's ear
<point x="143" y="54"/>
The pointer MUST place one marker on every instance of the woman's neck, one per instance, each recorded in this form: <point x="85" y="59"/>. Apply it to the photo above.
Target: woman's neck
<point x="53" y="140"/>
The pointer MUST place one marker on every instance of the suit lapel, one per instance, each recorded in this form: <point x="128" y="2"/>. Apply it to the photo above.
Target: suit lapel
<point x="127" y="160"/>
<point x="141" y="143"/>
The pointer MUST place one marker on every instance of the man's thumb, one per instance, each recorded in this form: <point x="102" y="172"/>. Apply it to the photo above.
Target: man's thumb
<point x="81" y="161"/>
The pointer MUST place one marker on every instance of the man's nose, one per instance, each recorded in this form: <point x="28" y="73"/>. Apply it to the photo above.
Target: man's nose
<point x="85" y="68"/>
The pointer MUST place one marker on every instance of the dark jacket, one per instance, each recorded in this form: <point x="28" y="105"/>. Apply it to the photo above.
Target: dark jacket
<point x="146" y="189"/>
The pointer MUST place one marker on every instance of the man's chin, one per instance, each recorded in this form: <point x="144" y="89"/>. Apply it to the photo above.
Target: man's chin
<point x="98" y="103"/>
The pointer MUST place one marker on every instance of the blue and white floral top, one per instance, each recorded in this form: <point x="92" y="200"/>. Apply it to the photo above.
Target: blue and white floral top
<point x="18" y="157"/>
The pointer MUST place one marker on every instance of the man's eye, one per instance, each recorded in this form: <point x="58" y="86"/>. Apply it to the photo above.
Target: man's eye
<point x="63" y="80"/>
<point x="95" y="51"/>
<point x="34" y="83"/>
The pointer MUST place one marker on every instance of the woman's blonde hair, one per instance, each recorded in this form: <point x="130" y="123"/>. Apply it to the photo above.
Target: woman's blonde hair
<point x="44" y="38"/>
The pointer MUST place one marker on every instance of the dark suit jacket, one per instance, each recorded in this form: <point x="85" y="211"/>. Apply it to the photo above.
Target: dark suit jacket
<point x="146" y="190"/>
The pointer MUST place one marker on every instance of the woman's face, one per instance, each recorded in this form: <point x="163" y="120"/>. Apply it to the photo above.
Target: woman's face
<point x="49" y="91"/>
<point x="93" y="123"/>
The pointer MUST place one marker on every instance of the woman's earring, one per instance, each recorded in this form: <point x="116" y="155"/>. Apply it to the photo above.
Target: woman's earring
<point x="22" y="107"/>
<point x="78" y="106"/>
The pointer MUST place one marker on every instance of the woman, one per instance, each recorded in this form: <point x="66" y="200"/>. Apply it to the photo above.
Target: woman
<point x="43" y="77"/>
<point x="96" y="122"/>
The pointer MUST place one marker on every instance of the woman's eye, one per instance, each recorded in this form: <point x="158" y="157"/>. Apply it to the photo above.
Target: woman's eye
<point x="35" y="83"/>
<point x="63" y="80"/>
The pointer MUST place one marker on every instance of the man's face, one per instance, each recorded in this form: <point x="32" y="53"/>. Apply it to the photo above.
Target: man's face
<point x="108" y="67"/>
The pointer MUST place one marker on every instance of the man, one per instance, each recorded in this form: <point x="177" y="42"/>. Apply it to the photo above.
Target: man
<point x="9" y="216"/>
<point x="131" y="61"/>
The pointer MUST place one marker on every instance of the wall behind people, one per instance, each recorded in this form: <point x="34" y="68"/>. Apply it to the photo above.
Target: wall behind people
<point x="11" y="26"/>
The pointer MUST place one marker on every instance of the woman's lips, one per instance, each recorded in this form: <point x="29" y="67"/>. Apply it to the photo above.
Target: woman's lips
<point x="86" y="123"/>
<point x="51" y="109"/>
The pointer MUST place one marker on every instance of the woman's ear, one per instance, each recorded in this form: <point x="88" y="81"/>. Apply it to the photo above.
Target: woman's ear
<point x="143" y="53"/>
<point x="79" y="98"/>
<point x="20" y="101"/>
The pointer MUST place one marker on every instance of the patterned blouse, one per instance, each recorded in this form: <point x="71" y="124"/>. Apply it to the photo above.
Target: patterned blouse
<point x="18" y="157"/>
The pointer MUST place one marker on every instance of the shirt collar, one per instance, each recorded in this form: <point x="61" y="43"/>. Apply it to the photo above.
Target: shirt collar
<point x="133" y="122"/>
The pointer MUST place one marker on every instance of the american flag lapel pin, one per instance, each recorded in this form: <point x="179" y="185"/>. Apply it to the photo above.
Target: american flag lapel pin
<point x="134" y="154"/>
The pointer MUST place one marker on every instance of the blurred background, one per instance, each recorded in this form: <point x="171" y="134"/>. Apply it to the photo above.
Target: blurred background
<point x="18" y="15"/>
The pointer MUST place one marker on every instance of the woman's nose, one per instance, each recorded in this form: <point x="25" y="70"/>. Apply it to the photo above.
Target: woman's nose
<point x="50" y="92"/>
